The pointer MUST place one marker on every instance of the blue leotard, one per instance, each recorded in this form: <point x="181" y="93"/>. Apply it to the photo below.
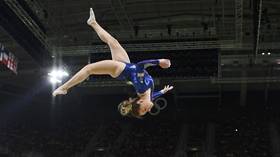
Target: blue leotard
<point x="139" y="77"/>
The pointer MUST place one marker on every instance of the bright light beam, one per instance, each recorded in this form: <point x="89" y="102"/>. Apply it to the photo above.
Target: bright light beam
<point x="55" y="76"/>
<point x="54" y="80"/>
<point x="58" y="73"/>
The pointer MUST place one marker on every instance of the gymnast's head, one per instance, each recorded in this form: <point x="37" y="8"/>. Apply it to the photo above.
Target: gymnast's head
<point x="135" y="107"/>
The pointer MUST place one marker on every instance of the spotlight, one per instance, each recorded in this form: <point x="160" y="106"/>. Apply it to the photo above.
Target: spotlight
<point x="56" y="76"/>
<point x="269" y="53"/>
<point x="58" y="73"/>
<point x="263" y="53"/>
<point x="54" y="80"/>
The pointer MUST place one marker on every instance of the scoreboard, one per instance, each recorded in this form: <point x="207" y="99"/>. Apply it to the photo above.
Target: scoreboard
<point x="8" y="59"/>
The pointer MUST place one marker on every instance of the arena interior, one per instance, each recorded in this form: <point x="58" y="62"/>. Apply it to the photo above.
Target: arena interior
<point x="225" y="69"/>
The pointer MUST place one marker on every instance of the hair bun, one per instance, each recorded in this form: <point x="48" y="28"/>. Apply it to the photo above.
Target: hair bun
<point x="124" y="108"/>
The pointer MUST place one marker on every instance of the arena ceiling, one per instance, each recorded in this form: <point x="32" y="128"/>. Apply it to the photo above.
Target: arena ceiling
<point x="187" y="19"/>
<point x="229" y="23"/>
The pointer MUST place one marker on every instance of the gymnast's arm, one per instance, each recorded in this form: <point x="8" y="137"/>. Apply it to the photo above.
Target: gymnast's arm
<point x="163" y="63"/>
<point x="157" y="94"/>
<point x="161" y="92"/>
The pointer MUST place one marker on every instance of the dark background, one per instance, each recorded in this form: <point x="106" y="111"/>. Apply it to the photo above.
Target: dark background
<point x="225" y="73"/>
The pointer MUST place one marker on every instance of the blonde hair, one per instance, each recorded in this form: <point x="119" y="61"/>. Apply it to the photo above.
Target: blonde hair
<point x="130" y="109"/>
<point x="124" y="108"/>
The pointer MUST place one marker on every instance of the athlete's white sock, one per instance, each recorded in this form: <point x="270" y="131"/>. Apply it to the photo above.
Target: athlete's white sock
<point x="59" y="91"/>
<point x="91" y="18"/>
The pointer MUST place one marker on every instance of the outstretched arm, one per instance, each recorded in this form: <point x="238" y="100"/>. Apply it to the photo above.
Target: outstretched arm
<point x="163" y="63"/>
<point x="161" y="92"/>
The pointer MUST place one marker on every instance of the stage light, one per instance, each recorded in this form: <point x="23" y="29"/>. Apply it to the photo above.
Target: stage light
<point x="56" y="75"/>
<point x="263" y="53"/>
<point x="269" y="53"/>
<point x="54" y="80"/>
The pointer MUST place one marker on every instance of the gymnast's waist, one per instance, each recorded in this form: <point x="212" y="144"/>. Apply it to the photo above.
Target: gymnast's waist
<point x="127" y="71"/>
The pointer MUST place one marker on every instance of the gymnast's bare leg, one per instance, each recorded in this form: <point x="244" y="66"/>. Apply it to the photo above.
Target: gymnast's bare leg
<point x="111" y="67"/>
<point x="117" y="51"/>
<point x="105" y="67"/>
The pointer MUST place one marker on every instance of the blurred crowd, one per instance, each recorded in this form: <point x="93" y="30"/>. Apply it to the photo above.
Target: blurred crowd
<point x="65" y="140"/>
<point x="150" y="140"/>
<point x="246" y="136"/>
<point x="71" y="139"/>
<point x="239" y="136"/>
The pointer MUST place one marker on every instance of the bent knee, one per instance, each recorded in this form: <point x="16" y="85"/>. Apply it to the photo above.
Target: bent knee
<point x="87" y="69"/>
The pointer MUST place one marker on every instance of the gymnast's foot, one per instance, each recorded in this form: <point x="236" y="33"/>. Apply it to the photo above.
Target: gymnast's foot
<point x="91" y="18"/>
<point x="59" y="91"/>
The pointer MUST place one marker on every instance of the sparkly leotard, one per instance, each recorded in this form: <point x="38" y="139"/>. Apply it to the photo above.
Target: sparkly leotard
<point x="139" y="77"/>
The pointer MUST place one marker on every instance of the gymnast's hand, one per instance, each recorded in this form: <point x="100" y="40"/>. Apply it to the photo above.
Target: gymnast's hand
<point x="166" y="89"/>
<point x="164" y="63"/>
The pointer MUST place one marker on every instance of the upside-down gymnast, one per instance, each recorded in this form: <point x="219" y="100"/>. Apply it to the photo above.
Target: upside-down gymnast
<point x="121" y="68"/>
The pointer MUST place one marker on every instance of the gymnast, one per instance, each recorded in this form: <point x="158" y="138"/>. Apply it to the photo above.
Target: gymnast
<point x="121" y="68"/>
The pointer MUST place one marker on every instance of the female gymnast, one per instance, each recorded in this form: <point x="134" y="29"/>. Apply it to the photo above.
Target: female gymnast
<point x="121" y="68"/>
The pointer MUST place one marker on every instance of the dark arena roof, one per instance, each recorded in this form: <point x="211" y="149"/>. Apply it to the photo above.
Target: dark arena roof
<point x="225" y="70"/>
